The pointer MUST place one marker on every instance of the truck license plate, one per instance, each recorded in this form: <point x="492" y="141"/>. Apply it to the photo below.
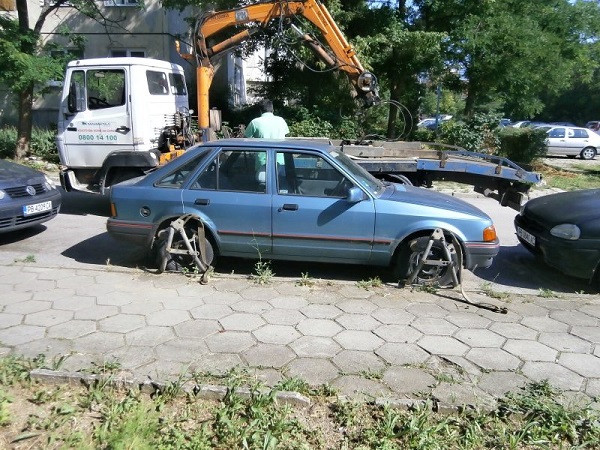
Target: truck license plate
<point x="37" y="208"/>
<point x="527" y="237"/>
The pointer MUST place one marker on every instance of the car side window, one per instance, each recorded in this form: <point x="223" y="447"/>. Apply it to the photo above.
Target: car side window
<point x="235" y="170"/>
<point x="310" y="175"/>
<point x="557" y="133"/>
<point x="581" y="134"/>
<point x="177" y="177"/>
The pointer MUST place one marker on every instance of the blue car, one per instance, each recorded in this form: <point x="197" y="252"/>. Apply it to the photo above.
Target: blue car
<point x="27" y="197"/>
<point x="302" y="201"/>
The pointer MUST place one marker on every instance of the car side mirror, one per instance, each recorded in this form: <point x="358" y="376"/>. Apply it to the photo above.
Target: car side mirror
<point x="355" y="195"/>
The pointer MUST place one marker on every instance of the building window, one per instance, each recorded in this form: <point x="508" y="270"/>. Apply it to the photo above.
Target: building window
<point x="126" y="52"/>
<point x="121" y="3"/>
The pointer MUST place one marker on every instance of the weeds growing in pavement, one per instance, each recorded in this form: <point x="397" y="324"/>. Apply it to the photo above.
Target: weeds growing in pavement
<point x="547" y="293"/>
<point x="103" y="415"/>
<point x="487" y="288"/>
<point x="430" y="288"/>
<point x="370" y="283"/>
<point x="305" y="280"/>
<point x="262" y="272"/>
<point x="27" y="259"/>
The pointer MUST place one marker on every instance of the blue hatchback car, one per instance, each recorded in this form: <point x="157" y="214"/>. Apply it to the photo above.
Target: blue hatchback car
<point x="303" y="201"/>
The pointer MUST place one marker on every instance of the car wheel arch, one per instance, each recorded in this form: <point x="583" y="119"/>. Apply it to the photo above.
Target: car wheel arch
<point x="588" y="152"/>
<point x="208" y="230"/>
<point x="403" y="249"/>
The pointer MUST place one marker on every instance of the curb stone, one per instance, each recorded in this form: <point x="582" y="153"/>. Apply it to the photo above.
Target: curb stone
<point x="217" y="392"/>
<point x="203" y="392"/>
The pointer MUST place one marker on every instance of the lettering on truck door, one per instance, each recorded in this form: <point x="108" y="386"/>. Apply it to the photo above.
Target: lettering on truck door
<point x="98" y="117"/>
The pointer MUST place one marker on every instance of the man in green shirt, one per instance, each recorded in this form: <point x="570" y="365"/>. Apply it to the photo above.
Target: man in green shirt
<point x="268" y="125"/>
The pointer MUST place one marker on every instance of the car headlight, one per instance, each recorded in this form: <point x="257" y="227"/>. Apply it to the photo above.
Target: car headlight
<point x="566" y="231"/>
<point x="2" y="194"/>
<point x="49" y="184"/>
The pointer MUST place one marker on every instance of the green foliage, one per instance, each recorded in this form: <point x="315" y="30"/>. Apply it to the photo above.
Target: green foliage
<point x="479" y="133"/>
<point x="315" y="123"/>
<point x="522" y="145"/>
<point x="311" y="127"/>
<point x="43" y="143"/>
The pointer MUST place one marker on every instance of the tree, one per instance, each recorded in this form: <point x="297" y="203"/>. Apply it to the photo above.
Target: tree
<point x="25" y="63"/>
<point x="513" y="51"/>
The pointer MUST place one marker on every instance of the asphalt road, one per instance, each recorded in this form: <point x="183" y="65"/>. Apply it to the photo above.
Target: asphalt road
<point x="77" y="238"/>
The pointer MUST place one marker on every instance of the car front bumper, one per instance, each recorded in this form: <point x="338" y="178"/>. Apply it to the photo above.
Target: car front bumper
<point x="578" y="258"/>
<point x="12" y="217"/>
<point x="480" y="254"/>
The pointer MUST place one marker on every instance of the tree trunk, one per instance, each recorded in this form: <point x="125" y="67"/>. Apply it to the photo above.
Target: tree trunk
<point x="25" y="123"/>
<point x="395" y="93"/>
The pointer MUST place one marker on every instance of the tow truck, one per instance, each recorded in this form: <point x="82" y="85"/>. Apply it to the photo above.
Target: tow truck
<point x="121" y="117"/>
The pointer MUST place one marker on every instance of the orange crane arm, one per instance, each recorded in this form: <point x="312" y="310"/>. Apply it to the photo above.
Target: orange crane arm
<point x="365" y="83"/>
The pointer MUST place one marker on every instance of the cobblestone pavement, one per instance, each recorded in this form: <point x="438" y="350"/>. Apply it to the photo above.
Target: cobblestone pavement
<point x="380" y="342"/>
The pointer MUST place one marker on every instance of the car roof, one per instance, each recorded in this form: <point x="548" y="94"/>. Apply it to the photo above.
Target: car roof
<point x="321" y="144"/>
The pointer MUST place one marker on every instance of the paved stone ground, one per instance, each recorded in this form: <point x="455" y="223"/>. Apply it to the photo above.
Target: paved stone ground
<point x="383" y="342"/>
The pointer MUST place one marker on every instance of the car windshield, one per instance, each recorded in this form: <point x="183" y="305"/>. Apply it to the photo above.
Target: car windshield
<point x="364" y="178"/>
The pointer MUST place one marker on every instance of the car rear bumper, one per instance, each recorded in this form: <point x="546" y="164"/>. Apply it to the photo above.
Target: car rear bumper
<point x="134" y="232"/>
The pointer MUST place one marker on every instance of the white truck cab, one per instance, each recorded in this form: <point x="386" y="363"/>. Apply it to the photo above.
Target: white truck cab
<point x="117" y="116"/>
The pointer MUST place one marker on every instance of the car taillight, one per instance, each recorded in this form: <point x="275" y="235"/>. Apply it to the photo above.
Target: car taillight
<point x="489" y="234"/>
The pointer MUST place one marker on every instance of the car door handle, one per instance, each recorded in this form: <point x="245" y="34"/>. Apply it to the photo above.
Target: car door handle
<point x="123" y="129"/>
<point x="289" y="207"/>
<point x="202" y="201"/>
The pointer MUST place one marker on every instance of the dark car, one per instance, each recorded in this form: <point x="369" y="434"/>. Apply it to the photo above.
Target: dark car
<point x="564" y="230"/>
<point x="304" y="201"/>
<point x="27" y="197"/>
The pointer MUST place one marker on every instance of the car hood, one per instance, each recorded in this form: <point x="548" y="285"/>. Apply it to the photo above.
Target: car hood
<point x="12" y="174"/>
<point x="578" y="207"/>
<point x="421" y="196"/>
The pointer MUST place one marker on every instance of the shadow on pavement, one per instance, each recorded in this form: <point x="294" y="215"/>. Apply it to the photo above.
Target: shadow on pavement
<point x="516" y="267"/>
<point x="20" y="235"/>
<point x="102" y="249"/>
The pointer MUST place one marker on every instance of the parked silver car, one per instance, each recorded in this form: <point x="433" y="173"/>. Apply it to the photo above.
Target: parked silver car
<point x="572" y="142"/>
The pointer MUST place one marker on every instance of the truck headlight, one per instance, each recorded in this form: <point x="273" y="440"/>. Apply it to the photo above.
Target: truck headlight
<point x="566" y="231"/>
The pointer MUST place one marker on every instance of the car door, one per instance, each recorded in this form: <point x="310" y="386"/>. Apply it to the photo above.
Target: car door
<point x="97" y="118"/>
<point x="556" y="141"/>
<point x="230" y="194"/>
<point x="312" y="219"/>
<point x="575" y="142"/>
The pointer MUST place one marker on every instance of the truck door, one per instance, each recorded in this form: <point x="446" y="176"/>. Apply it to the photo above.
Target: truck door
<point x="96" y="117"/>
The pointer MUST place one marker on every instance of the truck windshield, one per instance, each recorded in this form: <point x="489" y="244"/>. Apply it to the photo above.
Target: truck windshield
<point x="365" y="179"/>
<point x="105" y="88"/>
